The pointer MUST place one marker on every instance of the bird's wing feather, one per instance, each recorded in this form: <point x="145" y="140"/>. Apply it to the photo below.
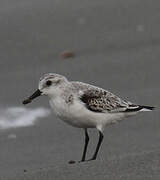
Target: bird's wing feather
<point x="100" y="100"/>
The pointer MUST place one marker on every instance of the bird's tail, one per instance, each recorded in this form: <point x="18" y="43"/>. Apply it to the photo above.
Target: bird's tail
<point x="147" y="108"/>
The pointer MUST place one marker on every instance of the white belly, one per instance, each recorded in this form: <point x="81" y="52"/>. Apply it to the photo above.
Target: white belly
<point x="78" y="115"/>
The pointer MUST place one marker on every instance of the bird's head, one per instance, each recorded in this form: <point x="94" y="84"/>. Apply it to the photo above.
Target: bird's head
<point x="50" y="84"/>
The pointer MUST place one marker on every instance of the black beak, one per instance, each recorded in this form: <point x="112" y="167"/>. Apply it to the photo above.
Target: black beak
<point x="33" y="96"/>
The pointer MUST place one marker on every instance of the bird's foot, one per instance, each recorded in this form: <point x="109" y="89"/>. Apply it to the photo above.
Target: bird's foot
<point x="81" y="161"/>
<point x="92" y="159"/>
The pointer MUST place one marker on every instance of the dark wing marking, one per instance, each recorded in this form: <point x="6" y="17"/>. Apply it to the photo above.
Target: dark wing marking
<point x="90" y="103"/>
<point x="134" y="108"/>
<point x="100" y="101"/>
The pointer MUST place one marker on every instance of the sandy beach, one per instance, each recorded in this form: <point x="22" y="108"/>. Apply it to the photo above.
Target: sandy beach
<point x="117" y="47"/>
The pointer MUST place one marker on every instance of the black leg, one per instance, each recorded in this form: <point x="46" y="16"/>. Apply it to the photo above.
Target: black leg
<point x="98" y="146"/>
<point x="85" y="146"/>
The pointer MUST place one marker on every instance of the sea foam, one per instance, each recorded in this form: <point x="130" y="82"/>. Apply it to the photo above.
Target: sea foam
<point x="14" y="117"/>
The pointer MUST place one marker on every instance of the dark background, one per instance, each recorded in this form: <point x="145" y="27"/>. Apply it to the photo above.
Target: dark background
<point x="117" y="46"/>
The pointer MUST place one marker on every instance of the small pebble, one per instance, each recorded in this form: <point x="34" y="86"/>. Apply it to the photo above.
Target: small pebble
<point x="67" y="54"/>
<point x="71" y="162"/>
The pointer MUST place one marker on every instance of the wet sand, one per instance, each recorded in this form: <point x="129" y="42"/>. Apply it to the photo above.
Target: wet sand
<point x="116" y="46"/>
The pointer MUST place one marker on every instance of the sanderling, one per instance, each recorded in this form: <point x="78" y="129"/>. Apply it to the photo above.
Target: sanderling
<point x="84" y="106"/>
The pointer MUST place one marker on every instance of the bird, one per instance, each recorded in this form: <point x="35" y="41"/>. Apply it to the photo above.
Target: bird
<point x="84" y="106"/>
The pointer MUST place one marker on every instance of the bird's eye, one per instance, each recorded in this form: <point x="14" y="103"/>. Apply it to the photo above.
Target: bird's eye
<point x="48" y="83"/>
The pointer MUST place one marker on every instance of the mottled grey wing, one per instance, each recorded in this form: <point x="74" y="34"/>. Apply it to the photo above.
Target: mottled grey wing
<point x="101" y="101"/>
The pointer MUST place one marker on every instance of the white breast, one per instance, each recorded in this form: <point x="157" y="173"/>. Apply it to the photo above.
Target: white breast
<point x="76" y="114"/>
